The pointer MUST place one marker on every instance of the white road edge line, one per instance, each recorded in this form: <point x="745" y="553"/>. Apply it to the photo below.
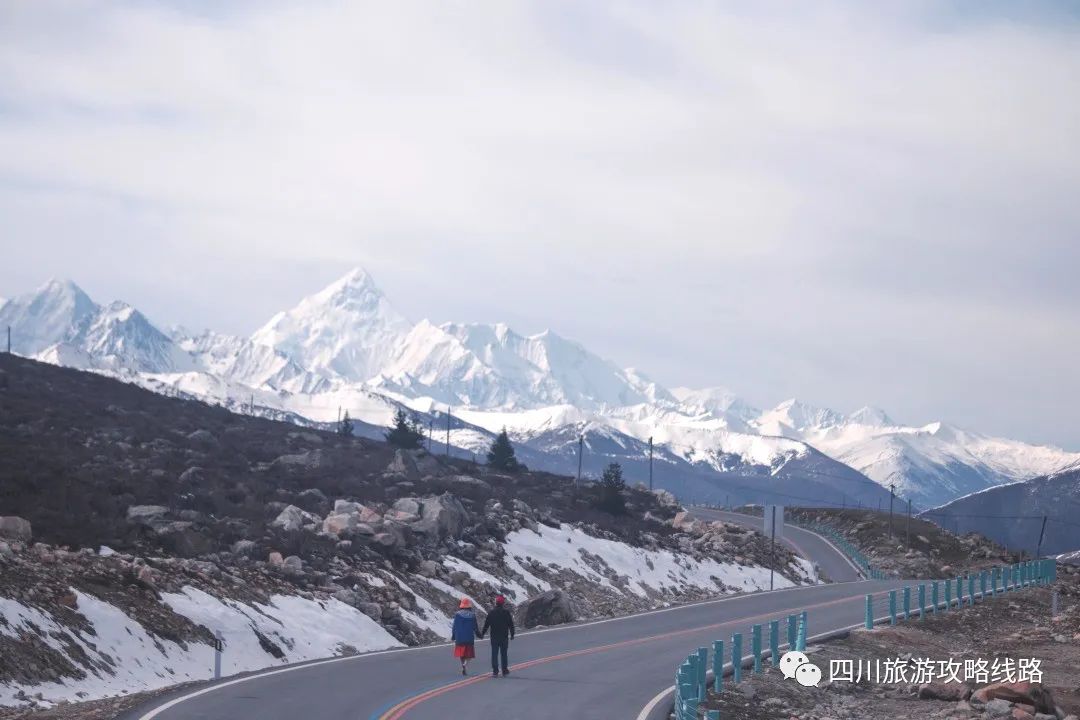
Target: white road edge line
<point x="647" y="711"/>
<point x="154" y="712"/>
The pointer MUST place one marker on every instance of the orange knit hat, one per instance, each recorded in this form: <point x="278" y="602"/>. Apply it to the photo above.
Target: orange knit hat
<point x="465" y="603"/>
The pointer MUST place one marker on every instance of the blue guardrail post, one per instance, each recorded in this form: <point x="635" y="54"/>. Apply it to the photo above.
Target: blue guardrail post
<point x="993" y="582"/>
<point x="922" y="601"/>
<point x="755" y="644"/>
<point x="774" y="642"/>
<point x="718" y="665"/>
<point x="804" y="628"/>
<point x="892" y="607"/>
<point x="948" y="594"/>
<point x="907" y="603"/>
<point x="869" y="612"/>
<point x="736" y="656"/>
<point x="971" y="589"/>
<point x="933" y="597"/>
<point x="702" y="667"/>
<point x="792" y="631"/>
<point x="959" y="592"/>
<point x="982" y="584"/>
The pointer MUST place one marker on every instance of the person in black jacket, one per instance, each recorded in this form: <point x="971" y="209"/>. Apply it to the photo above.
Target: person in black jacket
<point x="501" y="624"/>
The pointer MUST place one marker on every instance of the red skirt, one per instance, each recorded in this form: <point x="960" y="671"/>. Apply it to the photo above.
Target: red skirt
<point x="465" y="651"/>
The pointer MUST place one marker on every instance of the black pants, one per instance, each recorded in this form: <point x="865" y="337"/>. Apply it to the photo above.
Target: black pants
<point x="499" y="648"/>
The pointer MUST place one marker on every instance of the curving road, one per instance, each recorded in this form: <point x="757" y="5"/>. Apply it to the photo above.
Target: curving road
<point x="606" y="669"/>
<point x="831" y="562"/>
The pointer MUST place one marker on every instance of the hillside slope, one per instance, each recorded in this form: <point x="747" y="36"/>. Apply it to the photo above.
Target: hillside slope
<point x="149" y="523"/>
<point x="1012" y="514"/>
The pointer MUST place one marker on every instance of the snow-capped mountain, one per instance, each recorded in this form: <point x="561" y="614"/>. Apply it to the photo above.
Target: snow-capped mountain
<point x="929" y="464"/>
<point x="347" y="348"/>
<point x="56" y="312"/>
<point x="243" y="361"/>
<point x="491" y="366"/>
<point x="348" y="330"/>
<point x="60" y="323"/>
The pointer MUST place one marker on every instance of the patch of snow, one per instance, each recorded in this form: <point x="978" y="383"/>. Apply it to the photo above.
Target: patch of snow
<point x="121" y="656"/>
<point x="646" y="569"/>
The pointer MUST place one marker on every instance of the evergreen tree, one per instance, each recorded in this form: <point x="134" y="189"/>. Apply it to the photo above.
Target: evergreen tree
<point x="501" y="454"/>
<point x="405" y="433"/>
<point x="612" y="486"/>
<point x="345" y="427"/>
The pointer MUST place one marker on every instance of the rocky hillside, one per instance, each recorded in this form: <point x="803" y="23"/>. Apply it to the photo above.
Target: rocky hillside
<point x="136" y="526"/>
<point x="921" y="550"/>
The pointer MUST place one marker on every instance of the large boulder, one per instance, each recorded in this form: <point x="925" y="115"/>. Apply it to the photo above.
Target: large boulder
<point x="442" y="517"/>
<point x="553" y="607"/>
<point x="403" y="464"/>
<point x="350" y="518"/>
<point x="14" y="527"/>
<point x="292" y="519"/>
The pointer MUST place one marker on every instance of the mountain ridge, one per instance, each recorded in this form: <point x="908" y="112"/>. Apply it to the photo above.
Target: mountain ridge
<point x="347" y="342"/>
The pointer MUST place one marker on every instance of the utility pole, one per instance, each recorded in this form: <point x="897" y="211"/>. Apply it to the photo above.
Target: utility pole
<point x="772" y="548"/>
<point x="1042" y="533"/>
<point x="908" y="540"/>
<point x="430" y="429"/>
<point x="252" y="406"/>
<point x="339" y="415"/>
<point x="892" y="494"/>
<point x="650" y="463"/>
<point x="727" y="501"/>
<point x="8" y="339"/>
<point x="447" y="431"/>
<point x="580" y="450"/>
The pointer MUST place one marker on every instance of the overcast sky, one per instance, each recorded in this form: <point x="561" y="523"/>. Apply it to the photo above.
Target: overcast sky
<point x="851" y="203"/>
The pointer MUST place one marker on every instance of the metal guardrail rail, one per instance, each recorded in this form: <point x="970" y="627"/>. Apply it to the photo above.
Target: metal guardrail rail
<point x="853" y="553"/>
<point x="691" y="677"/>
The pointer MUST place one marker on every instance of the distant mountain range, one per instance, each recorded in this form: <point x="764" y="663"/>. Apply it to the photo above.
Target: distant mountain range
<point x="347" y="348"/>
<point x="1012" y="514"/>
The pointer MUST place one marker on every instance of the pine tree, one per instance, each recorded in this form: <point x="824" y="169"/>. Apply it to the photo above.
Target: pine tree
<point x="405" y="433"/>
<point x="612" y="486"/>
<point x="501" y="454"/>
<point x="345" y="426"/>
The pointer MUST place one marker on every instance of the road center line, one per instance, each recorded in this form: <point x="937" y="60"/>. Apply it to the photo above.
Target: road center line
<point x="398" y="711"/>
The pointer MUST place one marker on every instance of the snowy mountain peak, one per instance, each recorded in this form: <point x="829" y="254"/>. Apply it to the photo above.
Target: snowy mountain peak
<point x="872" y="416"/>
<point x="54" y="313"/>
<point x="348" y="329"/>
<point x="797" y="415"/>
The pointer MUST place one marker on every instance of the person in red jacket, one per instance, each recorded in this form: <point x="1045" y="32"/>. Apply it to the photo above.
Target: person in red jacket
<point x="464" y="634"/>
<point x="501" y="624"/>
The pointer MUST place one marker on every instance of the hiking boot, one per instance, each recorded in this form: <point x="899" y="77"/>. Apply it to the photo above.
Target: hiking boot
<point x="505" y="673"/>
<point x="494" y="673"/>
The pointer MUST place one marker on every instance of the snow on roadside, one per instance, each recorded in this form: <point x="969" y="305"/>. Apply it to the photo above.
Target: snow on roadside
<point x="655" y="570"/>
<point x="121" y="656"/>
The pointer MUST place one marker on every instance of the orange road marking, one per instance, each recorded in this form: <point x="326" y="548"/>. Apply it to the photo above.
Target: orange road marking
<point x="398" y="711"/>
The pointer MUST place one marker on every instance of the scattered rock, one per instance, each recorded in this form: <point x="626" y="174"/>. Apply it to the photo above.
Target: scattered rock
<point x="553" y="607"/>
<point x="293" y="519"/>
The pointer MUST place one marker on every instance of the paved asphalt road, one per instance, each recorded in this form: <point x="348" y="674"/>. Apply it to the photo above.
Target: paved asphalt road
<point x="830" y="561"/>
<point x="594" y="671"/>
